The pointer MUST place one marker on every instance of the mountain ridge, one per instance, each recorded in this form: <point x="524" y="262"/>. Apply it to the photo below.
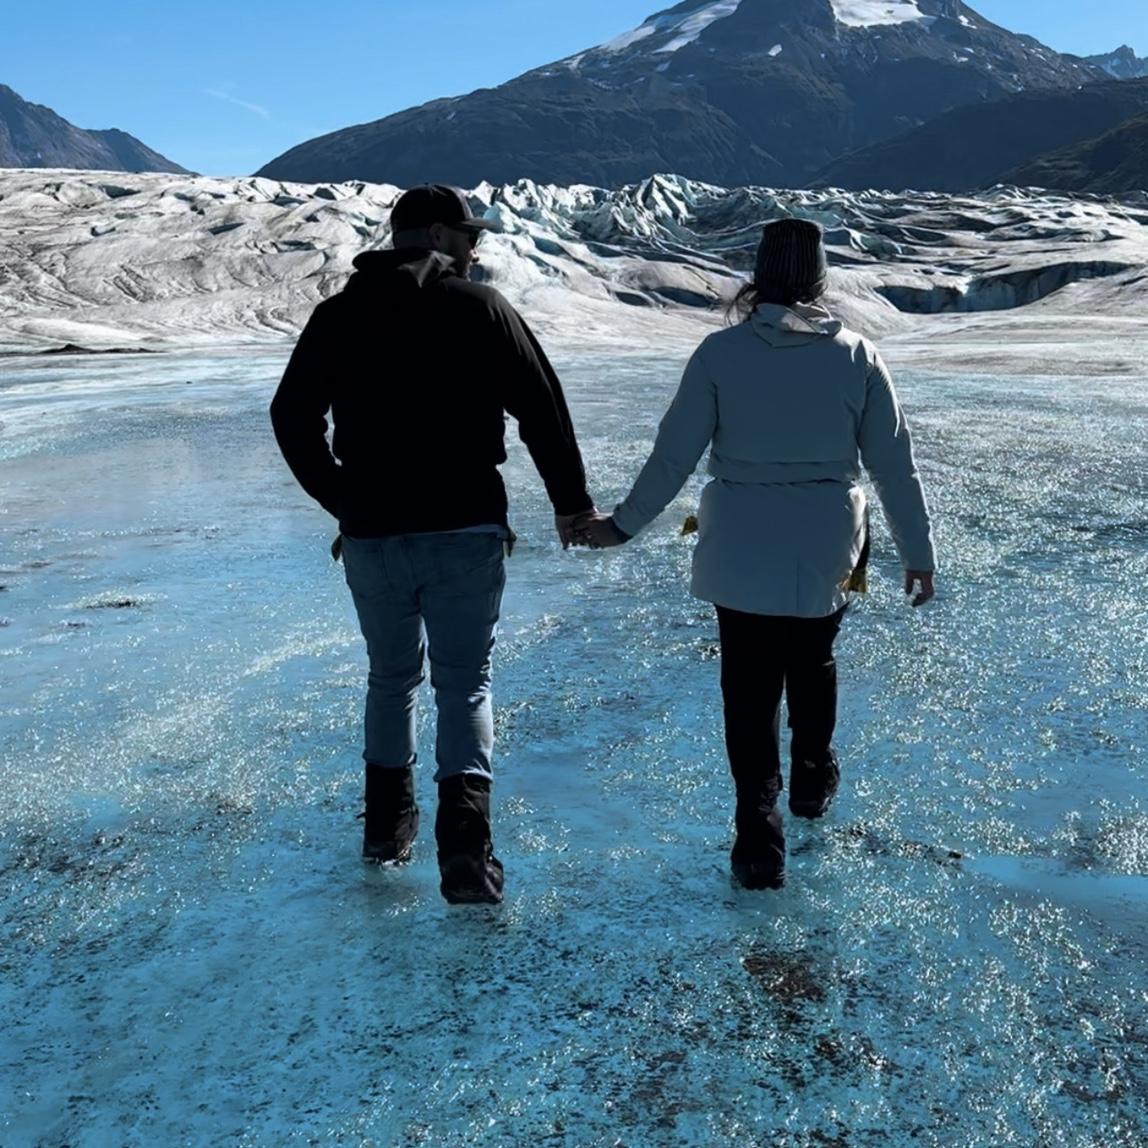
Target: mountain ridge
<point x="1111" y="164"/>
<point x="1123" y="64"/>
<point x="981" y="145"/>
<point x="34" y="136"/>
<point x="730" y="92"/>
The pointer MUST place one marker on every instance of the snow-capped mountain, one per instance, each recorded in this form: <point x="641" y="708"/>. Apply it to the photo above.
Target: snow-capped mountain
<point x="32" y="135"/>
<point x="730" y="91"/>
<point x="1123" y="64"/>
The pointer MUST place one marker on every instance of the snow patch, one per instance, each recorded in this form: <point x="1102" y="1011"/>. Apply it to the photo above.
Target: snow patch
<point x="688" y="27"/>
<point x="872" y="13"/>
<point x="696" y="23"/>
<point x="628" y="39"/>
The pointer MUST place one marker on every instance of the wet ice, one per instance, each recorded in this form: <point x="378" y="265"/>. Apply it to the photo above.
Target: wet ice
<point x="193" y="952"/>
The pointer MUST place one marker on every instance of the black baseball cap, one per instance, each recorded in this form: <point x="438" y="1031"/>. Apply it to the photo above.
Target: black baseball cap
<point x="432" y="203"/>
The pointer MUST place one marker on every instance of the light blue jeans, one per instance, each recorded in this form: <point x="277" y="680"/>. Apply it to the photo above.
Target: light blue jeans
<point x="428" y="593"/>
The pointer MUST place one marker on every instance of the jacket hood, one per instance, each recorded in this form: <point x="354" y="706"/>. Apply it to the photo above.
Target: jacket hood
<point x="399" y="272"/>
<point x="793" y="326"/>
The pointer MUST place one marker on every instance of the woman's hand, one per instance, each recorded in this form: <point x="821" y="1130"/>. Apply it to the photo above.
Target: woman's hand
<point x="568" y="526"/>
<point x="600" y="533"/>
<point x="925" y="578"/>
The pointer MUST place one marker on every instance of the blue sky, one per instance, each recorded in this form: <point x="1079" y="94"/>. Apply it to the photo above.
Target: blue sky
<point x="223" y="86"/>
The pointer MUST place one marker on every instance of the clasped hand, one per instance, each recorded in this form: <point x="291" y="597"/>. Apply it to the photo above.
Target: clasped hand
<point x="591" y="528"/>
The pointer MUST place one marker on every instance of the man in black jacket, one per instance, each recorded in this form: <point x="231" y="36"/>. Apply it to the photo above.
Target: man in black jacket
<point x="418" y="368"/>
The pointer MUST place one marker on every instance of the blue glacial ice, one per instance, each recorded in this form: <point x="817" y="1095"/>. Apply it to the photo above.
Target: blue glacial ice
<point x="193" y="954"/>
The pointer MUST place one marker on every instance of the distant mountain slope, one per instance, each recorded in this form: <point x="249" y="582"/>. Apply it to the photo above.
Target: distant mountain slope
<point x="1115" y="163"/>
<point x="1123" y="64"/>
<point x="35" y="136"/>
<point x="979" y="146"/>
<point x="728" y="91"/>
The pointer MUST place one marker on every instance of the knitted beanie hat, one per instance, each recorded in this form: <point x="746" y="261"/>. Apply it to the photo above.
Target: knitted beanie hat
<point x="791" y="257"/>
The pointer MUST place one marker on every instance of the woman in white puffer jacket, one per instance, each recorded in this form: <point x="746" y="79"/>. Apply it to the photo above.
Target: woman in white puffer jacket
<point x="791" y="405"/>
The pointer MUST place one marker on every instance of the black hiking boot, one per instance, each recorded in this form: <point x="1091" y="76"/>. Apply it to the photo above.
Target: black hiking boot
<point x="471" y="874"/>
<point x="757" y="860"/>
<point x="812" y="785"/>
<point x="391" y="817"/>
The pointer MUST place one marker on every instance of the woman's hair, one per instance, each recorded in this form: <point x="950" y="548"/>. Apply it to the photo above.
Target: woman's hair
<point x="791" y="267"/>
<point x="753" y="294"/>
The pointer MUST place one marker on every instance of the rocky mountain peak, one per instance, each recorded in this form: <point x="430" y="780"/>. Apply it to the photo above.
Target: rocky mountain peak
<point x="726" y="91"/>
<point x="32" y="135"/>
<point x="722" y="24"/>
<point x="1123" y="64"/>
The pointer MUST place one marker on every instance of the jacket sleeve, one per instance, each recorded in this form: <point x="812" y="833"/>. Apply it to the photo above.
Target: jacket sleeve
<point x="299" y="414"/>
<point x="887" y="454"/>
<point x="685" y="432"/>
<point x="533" y="396"/>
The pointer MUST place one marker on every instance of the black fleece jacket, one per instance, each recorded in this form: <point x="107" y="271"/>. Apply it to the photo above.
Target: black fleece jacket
<point x="418" y="369"/>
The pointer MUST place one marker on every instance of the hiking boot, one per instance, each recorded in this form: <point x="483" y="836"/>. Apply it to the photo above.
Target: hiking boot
<point x="471" y="874"/>
<point x="757" y="860"/>
<point x="391" y="817"/>
<point x="812" y="785"/>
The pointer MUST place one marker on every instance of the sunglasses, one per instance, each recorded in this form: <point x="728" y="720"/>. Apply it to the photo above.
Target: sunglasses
<point x="473" y="234"/>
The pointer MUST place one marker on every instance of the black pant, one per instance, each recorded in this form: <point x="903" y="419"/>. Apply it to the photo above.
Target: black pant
<point x="761" y="656"/>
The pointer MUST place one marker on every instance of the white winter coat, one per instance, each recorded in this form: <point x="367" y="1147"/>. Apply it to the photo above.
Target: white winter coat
<point x="792" y="405"/>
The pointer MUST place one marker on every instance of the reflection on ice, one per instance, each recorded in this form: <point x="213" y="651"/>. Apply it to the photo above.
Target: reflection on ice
<point x="1113" y="896"/>
<point x="192" y="951"/>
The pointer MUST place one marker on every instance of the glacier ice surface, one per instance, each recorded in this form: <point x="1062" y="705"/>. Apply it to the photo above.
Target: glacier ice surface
<point x="193" y="952"/>
<point x="1008" y="280"/>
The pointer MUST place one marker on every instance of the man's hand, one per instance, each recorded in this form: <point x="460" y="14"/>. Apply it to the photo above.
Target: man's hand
<point x="600" y="533"/>
<point x="925" y="578"/>
<point x="569" y="525"/>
